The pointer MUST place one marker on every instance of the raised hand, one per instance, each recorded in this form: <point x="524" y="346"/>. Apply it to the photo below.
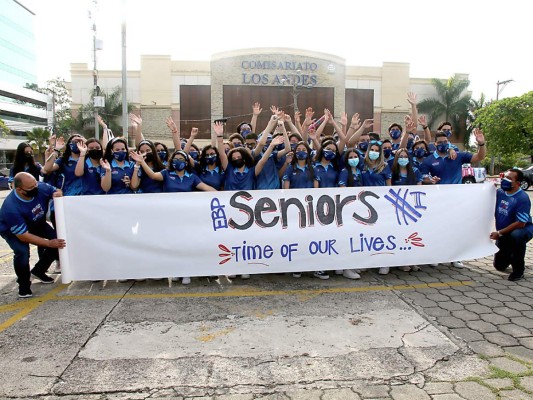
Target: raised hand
<point x="368" y="123"/>
<point x="171" y="124"/>
<point x="289" y="157"/>
<point x="194" y="132"/>
<point x="138" y="158"/>
<point x="256" y="108"/>
<point x="480" y="137"/>
<point x="344" y="118"/>
<point x="60" y="143"/>
<point x="101" y="122"/>
<point x="135" y="119"/>
<point x="275" y="110"/>
<point x="218" y="127"/>
<point x="411" y="98"/>
<point x="297" y="115"/>
<point x="105" y="165"/>
<point x="83" y="148"/>
<point x="356" y="121"/>
<point x="287" y="118"/>
<point x="309" y="116"/>
<point x="422" y="120"/>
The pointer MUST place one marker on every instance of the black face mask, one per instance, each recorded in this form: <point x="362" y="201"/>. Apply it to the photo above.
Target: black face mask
<point x="28" y="156"/>
<point x="95" y="154"/>
<point x="32" y="193"/>
<point x="149" y="157"/>
<point x="237" y="163"/>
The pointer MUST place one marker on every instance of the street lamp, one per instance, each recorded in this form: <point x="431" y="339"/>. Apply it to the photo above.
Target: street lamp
<point x="498" y="91"/>
<point x="295" y="87"/>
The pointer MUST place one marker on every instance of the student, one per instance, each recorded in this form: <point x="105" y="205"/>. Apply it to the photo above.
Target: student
<point x="140" y="181"/>
<point x="88" y="167"/>
<point x="403" y="172"/>
<point x="25" y="162"/>
<point x="211" y="171"/>
<point x="117" y="169"/>
<point x="299" y="173"/>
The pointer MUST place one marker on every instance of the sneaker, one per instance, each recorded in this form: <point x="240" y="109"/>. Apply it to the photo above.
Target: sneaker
<point x="405" y="268"/>
<point x="321" y="275"/>
<point x="515" y="277"/>
<point x="232" y="276"/>
<point x="383" y="270"/>
<point x="25" y="293"/>
<point x="434" y="265"/>
<point x="123" y="280"/>
<point x="415" y="268"/>
<point x="57" y="269"/>
<point x="350" y="274"/>
<point x="175" y="279"/>
<point x="296" y="274"/>
<point x="186" y="280"/>
<point x="458" y="264"/>
<point x="339" y="271"/>
<point x="42" y="277"/>
<point x="245" y="276"/>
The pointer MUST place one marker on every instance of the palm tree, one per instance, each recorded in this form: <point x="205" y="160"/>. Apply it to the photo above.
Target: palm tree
<point x="38" y="138"/>
<point x="451" y="103"/>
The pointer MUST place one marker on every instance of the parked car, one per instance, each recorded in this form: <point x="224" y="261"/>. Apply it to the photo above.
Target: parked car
<point x="528" y="177"/>
<point x="473" y="175"/>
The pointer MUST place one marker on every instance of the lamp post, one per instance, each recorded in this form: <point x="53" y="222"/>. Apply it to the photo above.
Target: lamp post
<point x="295" y="87"/>
<point x="498" y="91"/>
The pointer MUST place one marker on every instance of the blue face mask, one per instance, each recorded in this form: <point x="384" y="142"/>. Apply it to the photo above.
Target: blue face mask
<point x="74" y="148"/>
<point x="363" y="146"/>
<point x="235" y="145"/>
<point x="506" y="184"/>
<point x="387" y="152"/>
<point x="447" y="132"/>
<point x="301" y="155"/>
<point x="211" y="159"/>
<point x="329" y="155"/>
<point x="179" y="165"/>
<point x="194" y="155"/>
<point x="353" y="162"/>
<point x="162" y="155"/>
<point x="442" y="148"/>
<point x="119" y="155"/>
<point x="420" y="153"/>
<point x="373" y="155"/>
<point x="410" y="143"/>
<point x="279" y="147"/>
<point x="245" y="132"/>
<point x="403" y="161"/>
<point x="293" y="146"/>
<point x="395" y="134"/>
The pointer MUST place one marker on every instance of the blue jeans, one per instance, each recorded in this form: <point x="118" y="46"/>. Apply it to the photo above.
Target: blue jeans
<point x="21" y="258"/>
<point x="512" y="250"/>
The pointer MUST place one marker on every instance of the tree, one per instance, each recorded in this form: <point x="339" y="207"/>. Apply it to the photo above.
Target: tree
<point x="508" y="125"/>
<point x="38" y="138"/>
<point x="452" y="103"/>
<point x="4" y="130"/>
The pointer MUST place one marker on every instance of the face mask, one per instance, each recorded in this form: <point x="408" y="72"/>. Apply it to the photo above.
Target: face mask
<point x="280" y="147"/>
<point x="506" y="184"/>
<point x="179" y="165"/>
<point x="403" y="161"/>
<point x="301" y="155"/>
<point x="95" y="154"/>
<point x="329" y="155"/>
<point x="194" y="155"/>
<point x="28" y="156"/>
<point x="373" y="155"/>
<point x="420" y="153"/>
<point x="363" y="146"/>
<point x="353" y="162"/>
<point x="293" y="146"/>
<point x="442" y="148"/>
<point x="74" y="148"/>
<point x="211" y="159"/>
<point x="236" y="145"/>
<point x="387" y="152"/>
<point x="148" y="157"/>
<point x="162" y="155"/>
<point x="237" y="163"/>
<point x="245" y="133"/>
<point x="395" y="134"/>
<point x="119" y="155"/>
<point x="32" y="193"/>
<point x="448" y="133"/>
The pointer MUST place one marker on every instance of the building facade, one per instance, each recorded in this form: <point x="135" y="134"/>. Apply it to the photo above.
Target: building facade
<point x="196" y="93"/>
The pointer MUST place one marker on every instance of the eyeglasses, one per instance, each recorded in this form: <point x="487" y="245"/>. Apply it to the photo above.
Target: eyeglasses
<point x="378" y="142"/>
<point x="446" y="130"/>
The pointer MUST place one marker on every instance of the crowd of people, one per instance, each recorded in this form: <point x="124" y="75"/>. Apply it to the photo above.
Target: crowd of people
<point x="285" y="154"/>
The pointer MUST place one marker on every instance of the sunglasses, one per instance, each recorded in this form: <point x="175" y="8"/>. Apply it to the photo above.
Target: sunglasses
<point x="378" y="142"/>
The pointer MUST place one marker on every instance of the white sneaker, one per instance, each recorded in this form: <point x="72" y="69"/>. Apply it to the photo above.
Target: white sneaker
<point x="405" y="268"/>
<point x="245" y="276"/>
<point x="384" y="270"/>
<point x="186" y="280"/>
<point x="296" y="274"/>
<point x="175" y="279"/>
<point x="458" y="264"/>
<point x="415" y="268"/>
<point x="351" y="274"/>
<point x="321" y="275"/>
<point x="339" y="271"/>
<point x="57" y="269"/>
<point x="434" y="265"/>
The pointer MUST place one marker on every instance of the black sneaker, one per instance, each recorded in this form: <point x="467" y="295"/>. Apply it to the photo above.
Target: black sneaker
<point x="42" y="277"/>
<point x="25" y="293"/>
<point x="513" y="277"/>
<point x="321" y="275"/>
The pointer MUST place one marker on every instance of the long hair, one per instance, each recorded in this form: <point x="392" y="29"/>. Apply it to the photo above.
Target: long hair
<point x="379" y="164"/>
<point x="166" y="149"/>
<point x="20" y="161"/>
<point x="156" y="161"/>
<point x="320" y="153"/>
<point x="308" y="161"/>
<point x="411" y="177"/>
<point x="188" y="166"/>
<point x="67" y="153"/>
<point x="108" y="155"/>
<point x="351" y="176"/>
<point x="245" y="154"/>
<point x="203" y="155"/>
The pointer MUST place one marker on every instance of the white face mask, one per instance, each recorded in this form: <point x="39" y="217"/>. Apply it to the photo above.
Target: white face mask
<point x="373" y="155"/>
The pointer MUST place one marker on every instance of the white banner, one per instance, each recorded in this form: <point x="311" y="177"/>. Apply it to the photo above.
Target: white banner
<point x="267" y="231"/>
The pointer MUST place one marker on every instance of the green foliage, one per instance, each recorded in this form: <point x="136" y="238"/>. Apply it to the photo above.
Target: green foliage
<point x="4" y="130"/>
<point x="38" y="138"/>
<point x="508" y="125"/>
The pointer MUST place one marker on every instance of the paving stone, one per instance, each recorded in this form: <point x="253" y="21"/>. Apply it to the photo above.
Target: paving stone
<point x="527" y="314"/>
<point x="408" y="392"/>
<point x="514" y="395"/>
<point x="523" y="321"/>
<point x="474" y="391"/>
<point x="476" y="295"/>
<point x="499" y="383"/>
<point x="450" y="292"/>
<point x="307" y="394"/>
<point x="521" y="352"/>
<point x="438" y="297"/>
<point x="515" y="330"/>
<point x="451" y="306"/>
<point x="518" y="306"/>
<point x="451" y="322"/>
<point x="447" y="397"/>
<point x="273" y="396"/>
<point x="526" y="342"/>
<point x="501" y="339"/>
<point x="465" y="315"/>
<point x="436" y="312"/>
<point x="489" y="303"/>
<point x="168" y="394"/>
<point x="486" y="348"/>
<point x="438" y="387"/>
<point x="507" y="312"/>
<point x="247" y="397"/>
<point x="374" y="391"/>
<point x="527" y="383"/>
<point x="464" y="300"/>
<point x="482" y="326"/>
<point x="466" y="334"/>
<point x="494" y="319"/>
<point x="508" y="365"/>
<point x="339" y="394"/>
<point x="487" y="290"/>
<point x="478" y="308"/>
<point x="500" y="297"/>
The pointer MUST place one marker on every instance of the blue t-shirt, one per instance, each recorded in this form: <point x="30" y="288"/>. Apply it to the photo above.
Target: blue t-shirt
<point x="148" y="185"/>
<point x="449" y="171"/>
<point x="402" y="179"/>
<point x="213" y="177"/>
<point x="236" y="180"/>
<point x="512" y="208"/>
<point x="357" y="178"/>
<point x="172" y="182"/>
<point x="268" y="178"/>
<point x="298" y="177"/>
<point x="327" y="176"/>
<point x="19" y="216"/>
<point x="91" y="179"/>
<point x="73" y="185"/>
<point x="374" y="178"/>
<point x="117" y="175"/>
<point x="36" y="173"/>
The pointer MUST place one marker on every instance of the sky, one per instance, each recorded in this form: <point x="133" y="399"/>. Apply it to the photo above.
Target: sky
<point x="490" y="41"/>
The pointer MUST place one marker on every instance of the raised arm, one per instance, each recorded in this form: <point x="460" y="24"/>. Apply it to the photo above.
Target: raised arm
<point x="297" y="122"/>
<point x="367" y="123"/>
<point x="194" y="133"/>
<point x="256" y="111"/>
<point x="410" y="126"/>
<point x="52" y="154"/>
<point x="107" y="135"/>
<point x="261" y="163"/>
<point x="339" y="129"/>
<point x="139" y="159"/>
<point x="105" y="182"/>
<point x="287" y="119"/>
<point x="355" y="124"/>
<point x="307" y="123"/>
<point x="218" y="128"/>
<point x="481" y="149"/>
<point x="411" y="98"/>
<point x="269" y="128"/>
<point x="176" y="139"/>
<point x="137" y="123"/>
<point x="80" y="164"/>
<point x="427" y="132"/>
